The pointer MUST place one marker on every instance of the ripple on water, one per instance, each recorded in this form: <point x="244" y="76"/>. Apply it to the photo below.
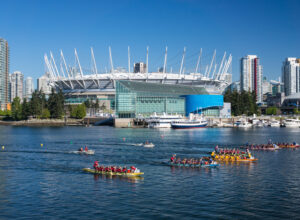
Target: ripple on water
<point x="44" y="182"/>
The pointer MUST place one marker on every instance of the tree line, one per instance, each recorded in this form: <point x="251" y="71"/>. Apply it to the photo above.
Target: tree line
<point x="40" y="107"/>
<point x="241" y="102"/>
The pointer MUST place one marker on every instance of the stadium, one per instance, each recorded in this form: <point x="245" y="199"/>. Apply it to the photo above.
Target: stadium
<point x="78" y="85"/>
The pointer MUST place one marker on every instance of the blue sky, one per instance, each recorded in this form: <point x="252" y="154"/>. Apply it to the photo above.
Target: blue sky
<point x="269" y="29"/>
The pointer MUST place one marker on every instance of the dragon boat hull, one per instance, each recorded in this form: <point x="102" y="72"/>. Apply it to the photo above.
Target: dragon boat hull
<point x="193" y="165"/>
<point x="235" y="160"/>
<point x="89" y="170"/>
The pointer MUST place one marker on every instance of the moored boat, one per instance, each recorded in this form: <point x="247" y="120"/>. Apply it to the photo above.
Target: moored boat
<point x="162" y="121"/>
<point x="274" y="123"/>
<point x="291" y="123"/>
<point x="193" y="122"/>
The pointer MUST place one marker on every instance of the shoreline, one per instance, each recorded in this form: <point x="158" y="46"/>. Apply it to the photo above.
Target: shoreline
<point x="44" y="122"/>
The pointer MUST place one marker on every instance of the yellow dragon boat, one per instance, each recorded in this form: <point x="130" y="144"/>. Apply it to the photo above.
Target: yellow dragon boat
<point x="222" y="157"/>
<point x="90" y="170"/>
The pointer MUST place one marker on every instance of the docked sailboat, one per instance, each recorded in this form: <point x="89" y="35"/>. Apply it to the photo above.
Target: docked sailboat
<point x="194" y="121"/>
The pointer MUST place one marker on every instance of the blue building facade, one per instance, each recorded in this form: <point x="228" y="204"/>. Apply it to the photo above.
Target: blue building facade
<point x="141" y="98"/>
<point x="209" y="105"/>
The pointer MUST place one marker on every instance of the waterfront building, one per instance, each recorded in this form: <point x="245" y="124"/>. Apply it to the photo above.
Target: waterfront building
<point x="274" y="100"/>
<point x="79" y="84"/>
<point x="251" y="76"/>
<point x="43" y="84"/>
<point x="139" y="98"/>
<point x="277" y="87"/>
<point x="29" y="87"/>
<point x="266" y="86"/>
<point x="291" y="75"/>
<point x="16" y="85"/>
<point x="292" y="101"/>
<point x="4" y="73"/>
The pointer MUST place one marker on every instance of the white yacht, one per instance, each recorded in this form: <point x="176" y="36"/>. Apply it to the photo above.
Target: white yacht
<point x="194" y="121"/>
<point x="244" y="124"/>
<point x="274" y="123"/>
<point x="162" y="121"/>
<point x="291" y="123"/>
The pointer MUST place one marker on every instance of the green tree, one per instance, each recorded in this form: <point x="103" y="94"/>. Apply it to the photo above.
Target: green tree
<point x="16" y="109"/>
<point x="87" y="103"/>
<point x="241" y="103"/>
<point x="271" y="111"/>
<point x="97" y="105"/>
<point x="26" y="111"/>
<point x="45" y="113"/>
<point x="55" y="104"/>
<point x="80" y="111"/>
<point x="6" y="113"/>
<point x="37" y="103"/>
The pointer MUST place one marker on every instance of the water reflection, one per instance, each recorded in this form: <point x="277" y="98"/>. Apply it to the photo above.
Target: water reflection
<point x="135" y="179"/>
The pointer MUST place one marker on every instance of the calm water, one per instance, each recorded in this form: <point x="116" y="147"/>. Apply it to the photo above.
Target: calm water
<point x="47" y="182"/>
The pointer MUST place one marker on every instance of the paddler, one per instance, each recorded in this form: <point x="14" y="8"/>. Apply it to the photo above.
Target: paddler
<point x="86" y="149"/>
<point x="217" y="149"/>
<point x="213" y="153"/>
<point x="132" y="168"/>
<point x="173" y="158"/>
<point x="96" y="164"/>
<point x="249" y="154"/>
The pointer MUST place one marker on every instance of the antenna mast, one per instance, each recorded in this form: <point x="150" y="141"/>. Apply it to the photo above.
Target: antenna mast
<point x="211" y="64"/>
<point x="182" y="60"/>
<point x="77" y="59"/>
<point x="147" y="70"/>
<point x="111" y="62"/>
<point x="94" y="61"/>
<point x="196" y="70"/>
<point x="165" y="63"/>
<point x="128" y="59"/>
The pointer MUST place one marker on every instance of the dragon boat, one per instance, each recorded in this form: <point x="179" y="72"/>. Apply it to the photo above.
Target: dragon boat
<point x="214" y="164"/>
<point x="289" y="146"/>
<point x="109" y="173"/>
<point x="222" y="157"/>
<point x="273" y="147"/>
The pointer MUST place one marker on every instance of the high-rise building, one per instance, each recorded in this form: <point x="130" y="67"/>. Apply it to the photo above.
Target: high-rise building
<point x="4" y="76"/>
<point x="251" y="75"/>
<point x="140" y="68"/>
<point x="29" y="88"/>
<point x="227" y="77"/>
<point x="266" y="86"/>
<point x="291" y="75"/>
<point x="42" y="84"/>
<point x="16" y="85"/>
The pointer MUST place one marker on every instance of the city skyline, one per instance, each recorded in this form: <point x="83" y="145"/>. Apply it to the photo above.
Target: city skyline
<point x="193" y="24"/>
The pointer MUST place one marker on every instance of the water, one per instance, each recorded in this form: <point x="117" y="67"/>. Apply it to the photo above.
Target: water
<point x="42" y="182"/>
